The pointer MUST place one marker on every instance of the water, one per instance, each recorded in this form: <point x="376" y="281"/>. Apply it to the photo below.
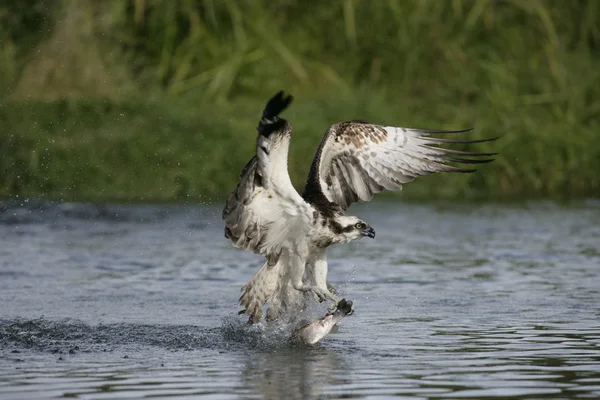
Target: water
<point x="474" y="301"/>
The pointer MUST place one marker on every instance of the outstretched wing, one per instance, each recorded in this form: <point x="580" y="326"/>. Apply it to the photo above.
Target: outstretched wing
<point x="265" y="208"/>
<point x="356" y="160"/>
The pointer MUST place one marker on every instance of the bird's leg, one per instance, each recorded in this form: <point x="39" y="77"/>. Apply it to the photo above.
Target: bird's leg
<point x="316" y="272"/>
<point x="331" y="288"/>
<point x="321" y="294"/>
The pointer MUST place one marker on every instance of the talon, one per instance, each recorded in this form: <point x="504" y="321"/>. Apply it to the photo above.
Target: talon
<point x="351" y="311"/>
<point x="323" y="295"/>
<point x="331" y="289"/>
<point x="345" y="306"/>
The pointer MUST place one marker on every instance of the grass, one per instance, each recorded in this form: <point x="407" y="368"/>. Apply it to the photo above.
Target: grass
<point x="157" y="101"/>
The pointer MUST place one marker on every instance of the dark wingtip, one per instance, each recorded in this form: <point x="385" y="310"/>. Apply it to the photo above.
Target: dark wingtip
<point x="270" y="122"/>
<point x="277" y="104"/>
<point x="469" y="161"/>
<point x="458" y="141"/>
<point x="442" y="131"/>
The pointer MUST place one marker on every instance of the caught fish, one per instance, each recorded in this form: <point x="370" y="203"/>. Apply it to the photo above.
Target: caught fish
<point x="312" y="332"/>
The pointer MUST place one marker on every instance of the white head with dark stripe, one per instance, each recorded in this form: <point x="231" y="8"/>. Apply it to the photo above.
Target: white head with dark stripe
<point x="347" y="228"/>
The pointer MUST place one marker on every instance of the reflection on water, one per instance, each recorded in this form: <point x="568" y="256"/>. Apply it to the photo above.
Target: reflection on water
<point x="293" y="374"/>
<point x="451" y="302"/>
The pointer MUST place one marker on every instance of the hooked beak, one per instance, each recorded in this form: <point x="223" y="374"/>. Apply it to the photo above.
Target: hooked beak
<point x="370" y="232"/>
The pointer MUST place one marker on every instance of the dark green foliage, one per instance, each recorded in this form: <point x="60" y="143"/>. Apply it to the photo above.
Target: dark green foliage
<point x="188" y="80"/>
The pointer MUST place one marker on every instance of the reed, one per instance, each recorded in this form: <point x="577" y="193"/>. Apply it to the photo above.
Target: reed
<point x="162" y="97"/>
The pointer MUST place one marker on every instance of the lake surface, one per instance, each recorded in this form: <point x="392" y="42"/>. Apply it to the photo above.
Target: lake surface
<point x="469" y="301"/>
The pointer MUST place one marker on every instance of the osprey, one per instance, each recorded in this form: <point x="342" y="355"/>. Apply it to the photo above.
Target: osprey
<point x="355" y="160"/>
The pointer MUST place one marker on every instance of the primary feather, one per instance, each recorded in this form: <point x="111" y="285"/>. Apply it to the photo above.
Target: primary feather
<point x="357" y="159"/>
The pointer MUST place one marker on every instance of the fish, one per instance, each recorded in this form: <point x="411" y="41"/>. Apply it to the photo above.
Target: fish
<point x="310" y="333"/>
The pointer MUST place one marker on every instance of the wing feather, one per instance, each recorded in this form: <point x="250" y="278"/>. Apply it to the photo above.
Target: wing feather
<point x="263" y="210"/>
<point x="356" y="160"/>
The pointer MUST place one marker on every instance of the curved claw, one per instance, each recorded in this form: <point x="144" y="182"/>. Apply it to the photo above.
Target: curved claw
<point x="331" y="288"/>
<point x="346" y="306"/>
<point x="323" y="295"/>
<point x="320" y="295"/>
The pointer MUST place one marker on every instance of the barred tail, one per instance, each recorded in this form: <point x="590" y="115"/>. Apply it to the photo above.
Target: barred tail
<point x="259" y="290"/>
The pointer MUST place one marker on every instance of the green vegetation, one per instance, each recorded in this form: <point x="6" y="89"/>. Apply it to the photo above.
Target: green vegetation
<point x="157" y="100"/>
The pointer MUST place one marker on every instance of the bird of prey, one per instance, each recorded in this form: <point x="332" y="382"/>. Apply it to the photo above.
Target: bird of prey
<point x="355" y="160"/>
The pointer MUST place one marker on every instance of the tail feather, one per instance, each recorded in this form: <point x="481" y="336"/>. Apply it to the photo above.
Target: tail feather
<point x="270" y="122"/>
<point x="259" y="290"/>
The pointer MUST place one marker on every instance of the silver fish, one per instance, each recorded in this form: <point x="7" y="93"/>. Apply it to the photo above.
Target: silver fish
<point x="312" y="332"/>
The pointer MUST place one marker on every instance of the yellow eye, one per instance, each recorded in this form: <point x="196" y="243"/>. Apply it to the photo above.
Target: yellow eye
<point x="359" y="225"/>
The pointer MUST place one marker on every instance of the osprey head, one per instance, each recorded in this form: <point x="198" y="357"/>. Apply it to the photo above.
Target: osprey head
<point x="347" y="228"/>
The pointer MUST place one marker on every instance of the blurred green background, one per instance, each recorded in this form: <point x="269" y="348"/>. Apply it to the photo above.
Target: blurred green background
<point x="157" y="100"/>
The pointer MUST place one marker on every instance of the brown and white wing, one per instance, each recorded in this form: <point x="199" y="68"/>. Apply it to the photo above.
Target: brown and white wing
<point x="356" y="160"/>
<point x="265" y="209"/>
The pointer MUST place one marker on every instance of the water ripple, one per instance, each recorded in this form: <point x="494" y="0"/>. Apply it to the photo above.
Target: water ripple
<point x="476" y="301"/>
